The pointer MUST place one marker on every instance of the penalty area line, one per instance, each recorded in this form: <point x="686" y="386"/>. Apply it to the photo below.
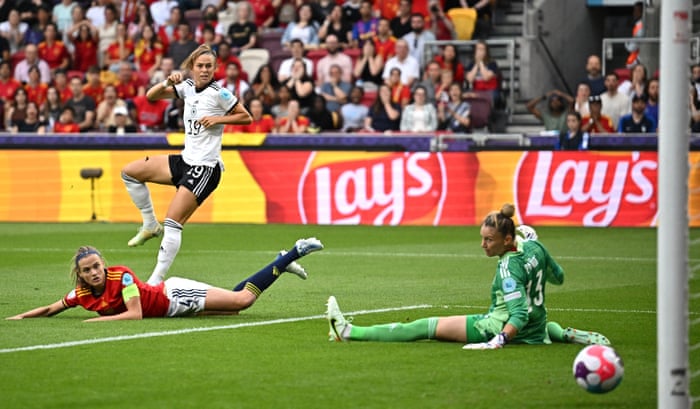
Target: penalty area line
<point x="198" y="329"/>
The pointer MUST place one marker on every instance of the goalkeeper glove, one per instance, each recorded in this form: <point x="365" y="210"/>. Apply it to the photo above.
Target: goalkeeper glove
<point x="495" y="343"/>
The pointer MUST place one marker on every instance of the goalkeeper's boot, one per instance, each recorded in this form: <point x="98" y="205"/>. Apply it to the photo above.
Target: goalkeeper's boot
<point x="294" y="268"/>
<point x="306" y="246"/>
<point x="339" y="326"/>
<point x="145" y="234"/>
<point x="578" y="336"/>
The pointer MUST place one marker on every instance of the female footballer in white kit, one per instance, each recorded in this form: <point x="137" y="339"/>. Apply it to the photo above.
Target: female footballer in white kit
<point x="196" y="171"/>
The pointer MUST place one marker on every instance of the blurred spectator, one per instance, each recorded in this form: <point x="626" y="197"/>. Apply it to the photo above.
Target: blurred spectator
<point x="31" y="58"/>
<point x="335" y="90"/>
<point x="454" y="115"/>
<point x="573" y="139"/>
<point x="208" y="37"/>
<point x="417" y="38"/>
<point x="233" y="80"/>
<point x="96" y="12"/>
<point x="184" y="46"/>
<point x="368" y="68"/>
<point x="8" y="85"/>
<point x="694" y="110"/>
<point x="121" y="49"/>
<point x="401" y="24"/>
<point x="13" y="30"/>
<point x="449" y="60"/>
<point x="302" y="29"/>
<point x="280" y="109"/>
<point x="615" y="104"/>
<point x="82" y="106"/>
<point x="637" y="32"/>
<point x="16" y="110"/>
<point x="407" y="64"/>
<point x="482" y="72"/>
<point x="223" y="59"/>
<point x="440" y="23"/>
<point x="637" y="121"/>
<point x="148" y="52"/>
<point x="384" y="115"/>
<point x="264" y="12"/>
<point x="110" y="32"/>
<point x="321" y="118"/>
<point x="385" y="42"/>
<point x="63" y="14"/>
<point x="262" y="123"/>
<point x="150" y="115"/>
<point x="243" y="33"/>
<point x="4" y="49"/>
<point x="51" y="110"/>
<point x="52" y="50"/>
<point x="66" y="122"/>
<point x="431" y="81"/>
<point x="60" y="81"/>
<point x="169" y="32"/>
<point x="210" y="16"/>
<point x="419" y="116"/>
<point x="442" y="91"/>
<point x="596" y="122"/>
<point x="335" y="57"/>
<point x="365" y="29"/>
<point x="141" y="20"/>
<point x="300" y="85"/>
<point x="167" y="67"/>
<point x="265" y="86"/>
<point x="353" y="113"/>
<point x="160" y="11"/>
<point x="122" y="123"/>
<point x="652" y="93"/>
<point x="36" y="89"/>
<point x="294" y="122"/>
<point x="335" y="25"/>
<point x="297" y="50"/>
<point x="554" y="116"/>
<point x="128" y="10"/>
<point x="31" y="122"/>
<point x="173" y="115"/>
<point x="105" y="109"/>
<point x="695" y="77"/>
<point x="637" y="83"/>
<point x="594" y="78"/>
<point x="321" y="9"/>
<point x="400" y="92"/>
<point x="351" y="11"/>
<point x="85" y="47"/>
<point x="93" y="85"/>
<point x="128" y="84"/>
<point x="35" y="34"/>
<point x="583" y="92"/>
<point x="482" y="28"/>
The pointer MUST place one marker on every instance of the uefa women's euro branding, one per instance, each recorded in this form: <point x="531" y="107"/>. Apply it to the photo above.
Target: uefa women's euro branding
<point x="587" y="188"/>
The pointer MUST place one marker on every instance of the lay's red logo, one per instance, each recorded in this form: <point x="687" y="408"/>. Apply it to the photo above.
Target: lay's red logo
<point x="585" y="188"/>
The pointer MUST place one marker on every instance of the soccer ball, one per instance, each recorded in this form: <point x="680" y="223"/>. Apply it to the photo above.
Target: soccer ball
<point x="598" y="369"/>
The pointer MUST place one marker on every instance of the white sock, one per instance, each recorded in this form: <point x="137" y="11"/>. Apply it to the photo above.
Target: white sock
<point x="169" y="246"/>
<point x="142" y="199"/>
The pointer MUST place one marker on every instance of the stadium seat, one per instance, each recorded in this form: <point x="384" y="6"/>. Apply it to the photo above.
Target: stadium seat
<point x="623" y="73"/>
<point x="480" y="112"/>
<point x="16" y="58"/>
<point x="252" y="59"/>
<point x="194" y="18"/>
<point x="368" y="98"/>
<point x="277" y="58"/>
<point x="464" y="20"/>
<point x="75" y="74"/>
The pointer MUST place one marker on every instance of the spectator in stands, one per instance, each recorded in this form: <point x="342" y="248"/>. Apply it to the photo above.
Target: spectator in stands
<point x="419" y="116"/>
<point x="400" y="92"/>
<point x="93" y="85"/>
<point x="321" y="9"/>
<point x="243" y="33"/>
<point x="431" y="81"/>
<point x="294" y="122"/>
<point x="223" y="59"/>
<point x="85" y="46"/>
<point x="280" y="109"/>
<point x="440" y="23"/>
<point x="160" y="11"/>
<point x="302" y="29"/>
<point x="442" y="90"/>
<point x="637" y="121"/>
<point x="83" y="106"/>
<point x="637" y="83"/>
<point x="652" y="93"/>
<point x="265" y="86"/>
<point x="351" y="11"/>
<point x="297" y="50"/>
<point x="262" y="122"/>
<point x="615" y="103"/>
<point x="141" y="20"/>
<point x="167" y="66"/>
<point x="36" y="90"/>
<point x="210" y="16"/>
<point x="4" y="49"/>
<point x="60" y="81"/>
<point x="637" y="32"/>
<point x="184" y="46"/>
<point x="417" y="38"/>
<point x="335" y="25"/>
<point x="148" y="52"/>
<point x="384" y="115"/>
<point x="335" y="57"/>
<point x="300" y="85"/>
<point x="233" y="80"/>
<point x="16" y="110"/>
<point x="31" y="122"/>
<point x="554" y="116"/>
<point x="573" y="139"/>
<point x="66" y="122"/>
<point x="118" y="51"/>
<point x="401" y="24"/>
<point x="63" y="14"/>
<point x="13" y="30"/>
<point x="365" y="29"/>
<point x="353" y="113"/>
<point x="122" y="123"/>
<point x="384" y="41"/>
<point x="31" y="58"/>
<point x="174" y="120"/>
<point x="169" y="32"/>
<point x="105" y="109"/>
<point x="482" y="73"/>
<point x="264" y="12"/>
<point x="695" y="78"/>
<point x="596" y="122"/>
<point x="454" y="115"/>
<point x="335" y="90"/>
<point x="35" y="33"/>
<point x="583" y="92"/>
<point x="8" y="85"/>
<point x="150" y="115"/>
<point x="51" y="110"/>
<point x="594" y="77"/>
<point x="407" y="64"/>
<point x="368" y="68"/>
<point x="95" y="11"/>
<point x="482" y="28"/>
<point x="321" y="118"/>
<point x="109" y="32"/>
<point x="128" y="84"/>
<point x="694" y="110"/>
<point x="449" y="60"/>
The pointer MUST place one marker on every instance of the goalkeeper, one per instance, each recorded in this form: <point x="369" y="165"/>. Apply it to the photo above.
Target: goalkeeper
<point x="517" y="313"/>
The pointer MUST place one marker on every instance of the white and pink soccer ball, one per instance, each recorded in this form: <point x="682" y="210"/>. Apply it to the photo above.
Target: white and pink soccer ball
<point x="598" y="369"/>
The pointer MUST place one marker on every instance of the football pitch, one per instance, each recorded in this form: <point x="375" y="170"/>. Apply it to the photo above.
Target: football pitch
<point x="277" y="354"/>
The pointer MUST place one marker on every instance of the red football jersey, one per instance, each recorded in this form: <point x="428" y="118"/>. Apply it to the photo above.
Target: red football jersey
<point x="8" y="88"/>
<point x="266" y="124"/>
<point x="154" y="302"/>
<point x="85" y="55"/>
<point x="96" y="92"/>
<point x="146" y="56"/>
<point x="53" y="54"/>
<point x="66" y="128"/>
<point x="150" y="114"/>
<point x="37" y="94"/>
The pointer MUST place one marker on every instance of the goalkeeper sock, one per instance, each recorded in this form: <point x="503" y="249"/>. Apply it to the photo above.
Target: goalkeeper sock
<point x="423" y="328"/>
<point x="260" y="281"/>
<point x="141" y="197"/>
<point x="556" y="332"/>
<point x="169" y="246"/>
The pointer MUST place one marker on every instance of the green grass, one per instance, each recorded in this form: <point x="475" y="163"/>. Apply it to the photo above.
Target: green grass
<point x="609" y="287"/>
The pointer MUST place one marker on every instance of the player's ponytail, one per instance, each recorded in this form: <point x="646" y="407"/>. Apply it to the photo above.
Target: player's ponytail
<point x="502" y="220"/>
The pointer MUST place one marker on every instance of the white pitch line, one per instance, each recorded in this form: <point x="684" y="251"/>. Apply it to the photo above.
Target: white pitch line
<point x="200" y="329"/>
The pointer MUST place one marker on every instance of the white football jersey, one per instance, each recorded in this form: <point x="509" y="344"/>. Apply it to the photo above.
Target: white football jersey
<point x="203" y="145"/>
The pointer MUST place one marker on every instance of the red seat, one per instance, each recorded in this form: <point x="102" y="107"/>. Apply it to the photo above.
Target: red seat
<point x="16" y="58"/>
<point x="75" y="74"/>
<point x="480" y="112"/>
<point x="368" y="98"/>
<point x="623" y="73"/>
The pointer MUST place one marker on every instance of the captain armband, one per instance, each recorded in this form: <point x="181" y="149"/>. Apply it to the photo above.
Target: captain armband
<point x="130" y="291"/>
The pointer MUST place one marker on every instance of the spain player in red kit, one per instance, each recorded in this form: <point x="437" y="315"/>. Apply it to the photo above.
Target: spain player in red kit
<point x="116" y="293"/>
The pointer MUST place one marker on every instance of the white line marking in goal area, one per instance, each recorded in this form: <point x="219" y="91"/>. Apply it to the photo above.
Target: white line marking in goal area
<point x="200" y="329"/>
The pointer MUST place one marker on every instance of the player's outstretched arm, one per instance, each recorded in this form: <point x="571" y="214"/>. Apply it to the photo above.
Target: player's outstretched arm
<point x="45" y="311"/>
<point x="133" y="312"/>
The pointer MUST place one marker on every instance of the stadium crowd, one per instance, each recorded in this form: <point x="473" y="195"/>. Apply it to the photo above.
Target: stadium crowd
<point x="329" y="65"/>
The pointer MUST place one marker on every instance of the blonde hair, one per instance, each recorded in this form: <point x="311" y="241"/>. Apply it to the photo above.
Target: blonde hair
<point x="82" y="251"/>
<point x="198" y="52"/>
<point x="502" y="220"/>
